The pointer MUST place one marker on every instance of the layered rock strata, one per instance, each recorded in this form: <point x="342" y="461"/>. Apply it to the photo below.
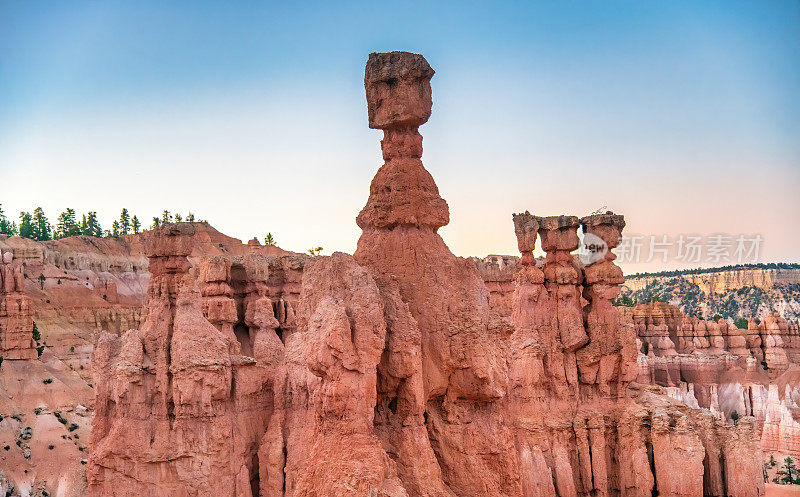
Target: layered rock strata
<point x="16" y="312"/>
<point x="393" y="373"/>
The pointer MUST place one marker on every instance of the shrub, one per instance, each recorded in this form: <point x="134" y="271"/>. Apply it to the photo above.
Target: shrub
<point x="735" y="417"/>
<point x="61" y="419"/>
<point x="47" y="381"/>
<point x="37" y="411"/>
<point x="72" y="427"/>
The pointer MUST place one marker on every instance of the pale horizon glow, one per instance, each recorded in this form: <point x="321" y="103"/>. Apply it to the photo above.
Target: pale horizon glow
<point x="684" y="117"/>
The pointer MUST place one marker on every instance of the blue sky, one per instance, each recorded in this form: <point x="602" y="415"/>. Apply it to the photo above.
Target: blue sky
<point x="684" y="116"/>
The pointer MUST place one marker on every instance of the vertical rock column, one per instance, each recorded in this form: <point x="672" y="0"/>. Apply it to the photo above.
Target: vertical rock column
<point x="534" y="330"/>
<point x="451" y="382"/>
<point x="165" y="420"/>
<point x="218" y="306"/>
<point x="610" y="358"/>
<point x="563" y="279"/>
<point x="16" y="313"/>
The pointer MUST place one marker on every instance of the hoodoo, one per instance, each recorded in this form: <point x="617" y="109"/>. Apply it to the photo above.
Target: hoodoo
<point x="391" y="372"/>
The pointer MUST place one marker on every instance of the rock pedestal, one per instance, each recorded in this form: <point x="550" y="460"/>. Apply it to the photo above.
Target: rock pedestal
<point x="16" y="313"/>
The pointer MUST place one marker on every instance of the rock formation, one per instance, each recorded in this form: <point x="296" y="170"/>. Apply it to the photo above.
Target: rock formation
<point x="396" y="372"/>
<point x="16" y="312"/>
<point x="750" y="291"/>
<point x="727" y="370"/>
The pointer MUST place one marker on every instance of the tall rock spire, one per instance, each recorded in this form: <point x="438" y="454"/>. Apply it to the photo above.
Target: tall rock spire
<point x="398" y="86"/>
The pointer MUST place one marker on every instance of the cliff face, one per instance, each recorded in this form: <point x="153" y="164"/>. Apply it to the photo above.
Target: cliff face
<point x="74" y="290"/>
<point x="714" y="365"/>
<point x="727" y="280"/>
<point x="746" y="292"/>
<point x="396" y="372"/>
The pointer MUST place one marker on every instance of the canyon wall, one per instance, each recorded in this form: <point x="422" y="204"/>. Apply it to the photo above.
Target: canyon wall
<point x="727" y="280"/>
<point x="397" y="371"/>
<point x="714" y="365"/>
<point x="749" y="292"/>
<point x="61" y="296"/>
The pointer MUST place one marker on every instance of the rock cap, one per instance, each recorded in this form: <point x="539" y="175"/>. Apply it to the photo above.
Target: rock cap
<point x="398" y="88"/>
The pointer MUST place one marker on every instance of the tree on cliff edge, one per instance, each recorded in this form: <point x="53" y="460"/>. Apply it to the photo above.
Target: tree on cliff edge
<point x="124" y="222"/>
<point x="6" y="227"/>
<point x="41" y="226"/>
<point x="25" y="225"/>
<point x="135" y="224"/>
<point x="269" y="239"/>
<point x="92" y="227"/>
<point x="67" y="224"/>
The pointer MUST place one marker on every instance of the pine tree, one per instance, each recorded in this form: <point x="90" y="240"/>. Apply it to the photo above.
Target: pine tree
<point x="66" y="225"/>
<point x="269" y="239"/>
<point x="6" y="227"/>
<point x="136" y="224"/>
<point x="26" y="225"/>
<point x="156" y="223"/>
<point x="190" y="218"/>
<point x="178" y="218"/>
<point x="41" y="226"/>
<point x="788" y="474"/>
<point x="84" y="226"/>
<point x="124" y="222"/>
<point x="166" y="217"/>
<point x="93" y="225"/>
<point x="115" y="229"/>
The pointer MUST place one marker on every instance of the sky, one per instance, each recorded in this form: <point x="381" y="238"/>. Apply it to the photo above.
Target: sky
<point x="683" y="116"/>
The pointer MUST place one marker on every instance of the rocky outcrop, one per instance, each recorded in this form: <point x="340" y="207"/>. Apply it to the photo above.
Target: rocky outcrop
<point x="750" y="291"/>
<point x="179" y="410"/>
<point x="728" y="370"/>
<point x="396" y="372"/>
<point x="16" y="312"/>
<point x="725" y="281"/>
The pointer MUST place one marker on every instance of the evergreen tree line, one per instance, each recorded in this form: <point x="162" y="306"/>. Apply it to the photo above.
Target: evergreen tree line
<point x="36" y="225"/>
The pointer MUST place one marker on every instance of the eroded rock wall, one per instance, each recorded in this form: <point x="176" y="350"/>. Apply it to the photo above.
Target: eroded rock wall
<point x="397" y="371"/>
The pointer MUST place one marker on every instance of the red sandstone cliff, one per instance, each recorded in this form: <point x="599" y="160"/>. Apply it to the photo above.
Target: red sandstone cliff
<point x="392" y="372"/>
<point x="399" y="371"/>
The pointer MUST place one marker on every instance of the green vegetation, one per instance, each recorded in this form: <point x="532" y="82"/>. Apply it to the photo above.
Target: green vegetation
<point x="315" y="251"/>
<point x="61" y="419"/>
<point x="735" y="417"/>
<point x="35" y="332"/>
<point x="72" y="427"/>
<point x="37" y="411"/>
<point x="624" y="300"/>
<point x="36" y="226"/>
<point x="67" y="225"/>
<point x="788" y="474"/>
<point x="741" y="323"/>
<point x="771" y="265"/>
<point x="645" y="348"/>
<point x="269" y="239"/>
<point x="47" y="381"/>
<point x="6" y="227"/>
